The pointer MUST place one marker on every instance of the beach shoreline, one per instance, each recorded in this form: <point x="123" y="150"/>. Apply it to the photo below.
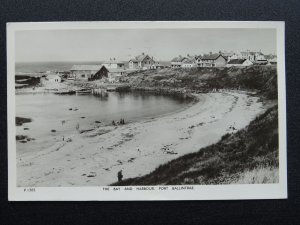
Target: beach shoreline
<point x="93" y="158"/>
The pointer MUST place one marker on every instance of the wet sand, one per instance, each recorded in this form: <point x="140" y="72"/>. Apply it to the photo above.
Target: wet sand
<point x="94" y="157"/>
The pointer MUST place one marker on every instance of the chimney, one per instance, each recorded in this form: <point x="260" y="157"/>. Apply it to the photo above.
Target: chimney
<point x="143" y="53"/>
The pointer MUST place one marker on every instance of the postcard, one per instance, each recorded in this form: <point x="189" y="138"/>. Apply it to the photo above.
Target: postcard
<point x="115" y="111"/>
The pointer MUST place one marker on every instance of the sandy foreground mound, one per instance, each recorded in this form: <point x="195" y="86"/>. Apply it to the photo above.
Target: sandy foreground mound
<point x="94" y="158"/>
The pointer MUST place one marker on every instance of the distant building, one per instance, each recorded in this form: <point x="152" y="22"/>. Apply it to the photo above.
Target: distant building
<point x="83" y="72"/>
<point x="211" y="60"/>
<point x="253" y="55"/>
<point x="53" y="78"/>
<point x="239" y="63"/>
<point x="142" y="62"/>
<point x="184" y="62"/>
<point x="272" y="59"/>
<point x="111" y="74"/>
<point x="113" y="64"/>
<point x="261" y="62"/>
<point x="177" y="61"/>
<point x="114" y="75"/>
<point x="229" y="55"/>
<point x="199" y="61"/>
<point x="189" y="62"/>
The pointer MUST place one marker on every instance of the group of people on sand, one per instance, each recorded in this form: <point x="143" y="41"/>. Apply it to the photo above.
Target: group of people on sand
<point x="121" y="122"/>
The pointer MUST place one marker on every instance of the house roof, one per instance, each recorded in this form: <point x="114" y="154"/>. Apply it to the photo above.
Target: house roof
<point x="52" y="75"/>
<point x="270" y="56"/>
<point x="133" y="60"/>
<point x="178" y="59"/>
<point x="86" y="67"/>
<point x="112" y="70"/>
<point x="252" y="53"/>
<point x="227" y="54"/>
<point x="175" y="59"/>
<point x="189" y="60"/>
<point x="211" y="56"/>
<point x="113" y="62"/>
<point x="236" y="61"/>
<point x="139" y="58"/>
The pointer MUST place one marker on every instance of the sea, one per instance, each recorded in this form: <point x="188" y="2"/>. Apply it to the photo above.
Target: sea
<point x="39" y="67"/>
<point x="47" y="111"/>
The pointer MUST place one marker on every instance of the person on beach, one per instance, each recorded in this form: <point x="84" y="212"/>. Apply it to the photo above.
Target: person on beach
<point x="120" y="176"/>
<point x="122" y="121"/>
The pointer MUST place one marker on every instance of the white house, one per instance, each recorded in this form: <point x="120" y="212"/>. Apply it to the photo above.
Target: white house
<point x="177" y="61"/>
<point x="253" y="55"/>
<point x="189" y="63"/>
<point x="142" y="61"/>
<point x="53" y="78"/>
<point x="239" y="62"/>
<point x="113" y="64"/>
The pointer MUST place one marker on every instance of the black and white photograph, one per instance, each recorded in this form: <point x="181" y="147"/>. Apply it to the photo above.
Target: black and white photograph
<point x="146" y="110"/>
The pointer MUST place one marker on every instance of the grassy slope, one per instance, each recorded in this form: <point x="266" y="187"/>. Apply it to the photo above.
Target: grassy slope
<point x="244" y="157"/>
<point x="248" y="156"/>
<point x="262" y="78"/>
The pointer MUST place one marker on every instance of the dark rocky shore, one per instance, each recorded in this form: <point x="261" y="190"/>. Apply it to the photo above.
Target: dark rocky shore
<point x="21" y="120"/>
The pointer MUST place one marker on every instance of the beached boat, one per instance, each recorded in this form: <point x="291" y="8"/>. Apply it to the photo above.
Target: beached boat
<point x="111" y="88"/>
<point x="70" y="92"/>
<point x="84" y="91"/>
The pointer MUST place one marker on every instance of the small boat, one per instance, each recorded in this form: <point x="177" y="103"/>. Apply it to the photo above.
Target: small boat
<point x="84" y="91"/>
<point x="111" y="88"/>
<point x="70" y="92"/>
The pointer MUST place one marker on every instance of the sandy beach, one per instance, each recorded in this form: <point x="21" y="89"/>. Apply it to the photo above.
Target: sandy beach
<point x="93" y="158"/>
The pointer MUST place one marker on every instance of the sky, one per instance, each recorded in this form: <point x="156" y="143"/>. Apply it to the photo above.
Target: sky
<point x="124" y="44"/>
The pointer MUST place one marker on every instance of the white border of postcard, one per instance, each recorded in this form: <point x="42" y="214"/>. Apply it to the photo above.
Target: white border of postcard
<point x="104" y="193"/>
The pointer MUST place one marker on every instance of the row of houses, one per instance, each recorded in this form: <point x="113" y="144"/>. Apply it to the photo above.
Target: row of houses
<point x="112" y="70"/>
<point x="223" y="59"/>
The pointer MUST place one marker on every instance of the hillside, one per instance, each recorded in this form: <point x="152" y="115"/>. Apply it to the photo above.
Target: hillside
<point x="262" y="78"/>
<point x="248" y="156"/>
